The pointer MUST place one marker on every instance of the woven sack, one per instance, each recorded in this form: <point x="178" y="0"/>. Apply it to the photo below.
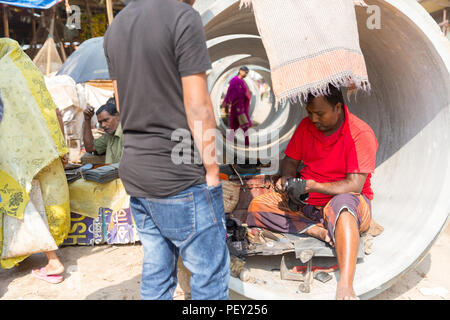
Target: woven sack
<point x="231" y="192"/>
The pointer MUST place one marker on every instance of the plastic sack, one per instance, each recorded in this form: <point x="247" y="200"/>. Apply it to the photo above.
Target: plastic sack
<point x="63" y="90"/>
<point x="87" y="197"/>
<point x="231" y="191"/>
<point x="30" y="235"/>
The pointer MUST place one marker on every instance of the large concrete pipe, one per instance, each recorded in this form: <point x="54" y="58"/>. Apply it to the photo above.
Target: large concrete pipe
<point x="408" y="61"/>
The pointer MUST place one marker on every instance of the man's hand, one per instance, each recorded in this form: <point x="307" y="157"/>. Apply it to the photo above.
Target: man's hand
<point x="88" y="138"/>
<point x="281" y="183"/>
<point x="212" y="178"/>
<point x="64" y="161"/>
<point x="296" y="191"/>
<point x="88" y="114"/>
<point x="295" y="187"/>
<point x="310" y="185"/>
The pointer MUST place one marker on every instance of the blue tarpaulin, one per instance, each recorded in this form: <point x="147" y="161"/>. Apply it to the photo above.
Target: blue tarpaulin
<point x="87" y="63"/>
<point x="36" y="4"/>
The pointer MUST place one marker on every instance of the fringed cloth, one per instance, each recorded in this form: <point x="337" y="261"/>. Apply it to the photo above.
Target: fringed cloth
<point x="310" y="45"/>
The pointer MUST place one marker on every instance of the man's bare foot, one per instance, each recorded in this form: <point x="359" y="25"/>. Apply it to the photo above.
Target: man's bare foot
<point x="320" y="233"/>
<point x="345" y="292"/>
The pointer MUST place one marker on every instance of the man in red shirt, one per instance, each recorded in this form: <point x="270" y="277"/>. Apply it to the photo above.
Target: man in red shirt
<point x="338" y="152"/>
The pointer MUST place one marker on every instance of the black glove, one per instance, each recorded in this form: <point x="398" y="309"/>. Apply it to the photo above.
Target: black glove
<point x="295" y="189"/>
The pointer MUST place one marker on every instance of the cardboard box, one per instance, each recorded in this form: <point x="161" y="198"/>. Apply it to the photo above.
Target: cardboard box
<point x="119" y="226"/>
<point x="110" y="227"/>
<point x="85" y="231"/>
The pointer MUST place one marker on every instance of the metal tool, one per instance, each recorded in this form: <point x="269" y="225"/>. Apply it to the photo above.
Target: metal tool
<point x="306" y="257"/>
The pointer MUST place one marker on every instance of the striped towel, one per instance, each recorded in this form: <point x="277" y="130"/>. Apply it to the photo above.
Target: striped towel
<point x="310" y="45"/>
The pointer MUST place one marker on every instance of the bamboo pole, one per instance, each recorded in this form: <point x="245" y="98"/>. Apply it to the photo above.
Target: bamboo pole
<point x="5" y="21"/>
<point x="109" y="10"/>
<point x="444" y="23"/>
<point x="89" y="14"/>
<point x="444" y="28"/>
<point x="63" y="51"/>
<point x="51" y="31"/>
<point x="48" y="62"/>
<point x="58" y="38"/>
<point x="33" y="30"/>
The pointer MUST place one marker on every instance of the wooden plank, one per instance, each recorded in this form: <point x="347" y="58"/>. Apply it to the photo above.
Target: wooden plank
<point x="102" y="84"/>
<point x="434" y="5"/>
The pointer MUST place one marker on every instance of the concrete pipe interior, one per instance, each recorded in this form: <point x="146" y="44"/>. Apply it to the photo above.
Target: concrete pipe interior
<point x="408" y="62"/>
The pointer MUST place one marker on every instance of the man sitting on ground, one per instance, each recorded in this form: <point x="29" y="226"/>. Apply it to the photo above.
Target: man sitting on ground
<point x="110" y="143"/>
<point x="338" y="152"/>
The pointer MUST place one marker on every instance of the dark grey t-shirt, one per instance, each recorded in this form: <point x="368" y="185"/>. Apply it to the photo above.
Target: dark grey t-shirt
<point x="150" y="46"/>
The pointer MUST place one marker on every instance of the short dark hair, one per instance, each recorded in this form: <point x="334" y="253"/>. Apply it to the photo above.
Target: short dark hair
<point x="244" y="68"/>
<point x="333" y="97"/>
<point x="109" y="106"/>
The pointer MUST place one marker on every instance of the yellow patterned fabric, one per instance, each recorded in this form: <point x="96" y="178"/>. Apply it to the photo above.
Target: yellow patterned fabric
<point x="13" y="197"/>
<point x="55" y="193"/>
<point x="1" y="232"/>
<point x="31" y="143"/>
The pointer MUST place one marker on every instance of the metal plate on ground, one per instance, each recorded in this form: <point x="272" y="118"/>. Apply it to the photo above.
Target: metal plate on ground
<point x="320" y="248"/>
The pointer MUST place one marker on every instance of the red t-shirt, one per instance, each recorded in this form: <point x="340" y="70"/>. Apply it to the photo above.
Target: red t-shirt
<point x="351" y="149"/>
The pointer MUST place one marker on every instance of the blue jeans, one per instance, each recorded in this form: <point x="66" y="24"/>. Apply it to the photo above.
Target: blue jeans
<point x="191" y="223"/>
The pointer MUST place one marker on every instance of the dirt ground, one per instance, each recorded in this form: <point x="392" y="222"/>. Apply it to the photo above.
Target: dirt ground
<point x="114" y="272"/>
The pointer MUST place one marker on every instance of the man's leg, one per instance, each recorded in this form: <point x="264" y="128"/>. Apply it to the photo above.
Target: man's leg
<point x="206" y="253"/>
<point x="347" y="215"/>
<point x="347" y="242"/>
<point x="160" y="255"/>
